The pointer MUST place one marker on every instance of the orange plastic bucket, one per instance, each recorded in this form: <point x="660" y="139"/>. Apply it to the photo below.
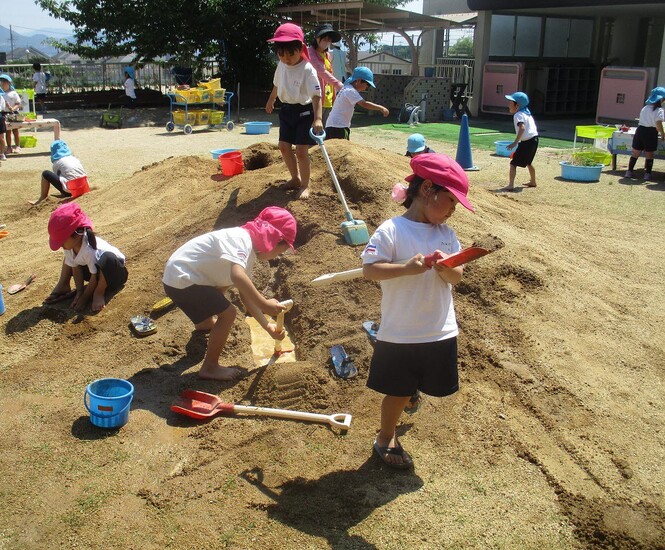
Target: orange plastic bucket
<point x="78" y="186"/>
<point x="231" y="163"/>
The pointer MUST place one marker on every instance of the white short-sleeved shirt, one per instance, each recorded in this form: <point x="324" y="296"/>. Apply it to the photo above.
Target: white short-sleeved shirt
<point x="206" y="260"/>
<point x="90" y="256"/>
<point x="3" y="105"/>
<point x="530" y="129"/>
<point x="342" y="110"/>
<point x="40" y="79"/>
<point x="650" y="116"/>
<point x="415" y="308"/>
<point x="68" y="168"/>
<point x="129" y="88"/>
<point x="12" y="99"/>
<point x="297" y="83"/>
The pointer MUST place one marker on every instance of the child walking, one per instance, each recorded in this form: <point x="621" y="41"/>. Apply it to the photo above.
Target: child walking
<point x="646" y="135"/>
<point x="198" y="274"/>
<point x="416" y="345"/>
<point x="339" y="121"/>
<point x="526" y="139"/>
<point x="66" y="167"/>
<point x="39" y="84"/>
<point x="296" y="84"/>
<point x="13" y="105"/>
<point x="130" y="88"/>
<point x="87" y="258"/>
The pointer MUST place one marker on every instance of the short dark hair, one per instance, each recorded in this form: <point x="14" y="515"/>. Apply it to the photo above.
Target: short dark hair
<point x="37" y="66"/>
<point x="287" y="47"/>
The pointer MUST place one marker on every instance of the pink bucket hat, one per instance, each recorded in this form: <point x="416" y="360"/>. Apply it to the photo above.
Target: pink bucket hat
<point x="290" y="32"/>
<point x="64" y="220"/>
<point x="444" y="172"/>
<point x="270" y="227"/>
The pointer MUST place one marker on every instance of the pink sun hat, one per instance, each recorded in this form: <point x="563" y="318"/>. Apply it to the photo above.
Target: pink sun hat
<point x="270" y="227"/>
<point x="290" y="32"/>
<point x="443" y="171"/>
<point x="64" y="220"/>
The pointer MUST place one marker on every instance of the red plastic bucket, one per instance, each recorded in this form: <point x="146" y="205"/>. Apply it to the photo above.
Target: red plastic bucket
<point x="78" y="186"/>
<point x="231" y="163"/>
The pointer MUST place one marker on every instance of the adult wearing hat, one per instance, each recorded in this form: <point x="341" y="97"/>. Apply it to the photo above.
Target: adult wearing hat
<point x="321" y="58"/>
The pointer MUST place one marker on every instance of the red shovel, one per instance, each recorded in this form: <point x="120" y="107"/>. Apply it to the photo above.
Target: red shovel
<point x="201" y="405"/>
<point x="18" y="287"/>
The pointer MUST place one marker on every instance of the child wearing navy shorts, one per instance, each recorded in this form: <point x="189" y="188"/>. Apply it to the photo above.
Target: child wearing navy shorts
<point x="416" y="344"/>
<point x="296" y="84"/>
<point x="526" y="139"/>
<point x="647" y="133"/>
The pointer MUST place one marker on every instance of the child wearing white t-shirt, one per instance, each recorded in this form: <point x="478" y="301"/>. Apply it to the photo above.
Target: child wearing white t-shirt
<point x="416" y="344"/>
<point x="39" y="84"/>
<point x="3" y="127"/>
<point x="338" y="125"/>
<point x="198" y="274"/>
<point x="526" y="140"/>
<point x="649" y="131"/>
<point x="296" y="84"/>
<point x="12" y="106"/>
<point x="65" y="168"/>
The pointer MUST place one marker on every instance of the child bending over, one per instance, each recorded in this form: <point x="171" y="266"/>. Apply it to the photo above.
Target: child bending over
<point x="198" y="274"/>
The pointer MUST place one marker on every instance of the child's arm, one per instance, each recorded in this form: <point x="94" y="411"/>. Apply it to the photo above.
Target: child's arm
<point x="518" y="137"/>
<point x="374" y="107"/>
<point x="382" y="271"/>
<point x="255" y="303"/>
<point x="270" y="105"/>
<point x="317" y="125"/>
<point x="451" y="275"/>
<point x="83" y="294"/>
<point x="659" y="125"/>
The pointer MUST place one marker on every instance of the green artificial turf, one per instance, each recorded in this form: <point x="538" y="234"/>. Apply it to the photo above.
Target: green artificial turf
<point x="483" y="137"/>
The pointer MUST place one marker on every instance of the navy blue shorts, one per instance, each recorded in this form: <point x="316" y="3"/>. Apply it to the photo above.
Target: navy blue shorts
<point x="295" y="121"/>
<point x="3" y="125"/>
<point x="198" y="302"/>
<point x="337" y="133"/>
<point x="645" y="139"/>
<point x="112" y="267"/>
<point x="401" y="369"/>
<point x="525" y="152"/>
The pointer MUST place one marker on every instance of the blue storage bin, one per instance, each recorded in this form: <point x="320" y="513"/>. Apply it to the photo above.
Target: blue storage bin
<point x="501" y="148"/>
<point x="258" y="127"/>
<point x="217" y="152"/>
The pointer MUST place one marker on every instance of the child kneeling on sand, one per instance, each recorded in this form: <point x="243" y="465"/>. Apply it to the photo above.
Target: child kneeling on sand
<point x="87" y="258"/>
<point x="198" y="274"/>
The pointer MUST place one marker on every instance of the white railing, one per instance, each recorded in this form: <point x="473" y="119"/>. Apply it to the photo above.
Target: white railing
<point x="382" y="67"/>
<point x="458" y="70"/>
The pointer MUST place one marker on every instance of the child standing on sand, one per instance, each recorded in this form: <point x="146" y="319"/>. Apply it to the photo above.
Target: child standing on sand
<point x="13" y="106"/>
<point x="296" y="84"/>
<point x="87" y="258"/>
<point x="649" y="129"/>
<point x="526" y="139"/>
<point x="339" y="121"/>
<point x="200" y="271"/>
<point x="416" y="344"/>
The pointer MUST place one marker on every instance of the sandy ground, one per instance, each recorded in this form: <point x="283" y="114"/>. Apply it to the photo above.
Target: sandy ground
<point x="555" y="439"/>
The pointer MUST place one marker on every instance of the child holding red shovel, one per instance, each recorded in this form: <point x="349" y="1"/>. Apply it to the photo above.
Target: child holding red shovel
<point x="416" y="344"/>
<point x="198" y="274"/>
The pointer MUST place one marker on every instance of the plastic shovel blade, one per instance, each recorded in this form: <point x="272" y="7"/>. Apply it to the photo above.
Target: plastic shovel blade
<point x="464" y="256"/>
<point x="18" y="287"/>
<point x="200" y="405"/>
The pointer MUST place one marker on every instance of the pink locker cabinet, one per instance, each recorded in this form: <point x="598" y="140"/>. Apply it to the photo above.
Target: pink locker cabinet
<point x="622" y="92"/>
<point x="500" y="79"/>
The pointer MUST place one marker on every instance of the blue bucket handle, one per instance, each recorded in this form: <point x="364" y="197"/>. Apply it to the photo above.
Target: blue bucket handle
<point x="96" y="413"/>
<point x="317" y="137"/>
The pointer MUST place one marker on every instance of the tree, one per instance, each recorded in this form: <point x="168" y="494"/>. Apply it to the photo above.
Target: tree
<point x="462" y="48"/>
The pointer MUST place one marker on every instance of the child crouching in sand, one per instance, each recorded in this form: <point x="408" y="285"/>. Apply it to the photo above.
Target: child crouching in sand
<point x="198" y="274"/>
<point x="87" y="258"/>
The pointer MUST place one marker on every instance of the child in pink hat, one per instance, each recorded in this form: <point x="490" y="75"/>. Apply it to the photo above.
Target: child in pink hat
<point x="297" y="86"/>
<point x="416" y="344"/>
<point x="87" y="258"/>
<point x="198" y="274"/>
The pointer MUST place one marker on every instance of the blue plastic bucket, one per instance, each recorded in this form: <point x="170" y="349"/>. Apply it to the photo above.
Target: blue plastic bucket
<point x="109" y="400"/>
<point x="2" y="302"/>
<point x="501" y="148"/>
<point x="217" y="152"/>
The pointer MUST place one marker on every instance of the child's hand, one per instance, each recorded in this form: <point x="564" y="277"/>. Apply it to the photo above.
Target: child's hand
<point x="317" y="126"/>
<point x="273" y="307"/>
<point x="512" y="145"/>
<point x="417" y="265"/>
<point x="270" y="106"/>
<point x="385" y="112"/>
<point x="274" y="333"/>
<point x="78" y="303"/>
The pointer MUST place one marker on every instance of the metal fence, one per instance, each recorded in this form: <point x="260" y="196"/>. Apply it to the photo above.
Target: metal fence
<point x="460" y="71"/>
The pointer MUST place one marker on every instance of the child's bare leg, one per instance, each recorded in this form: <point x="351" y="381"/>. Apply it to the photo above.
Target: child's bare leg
<point x="391" y="410"/>
<point x="8" y="139"/>
<point x="44" y="191"/>
<point x="98" y="300"/>
<point x="511" y="176"/>
<point x="532" y="176"/>
<point x="17" y="137"/>
<point x="304" y="162"/>
<point x="291" y="163"/>
<point x="211" y="369"/>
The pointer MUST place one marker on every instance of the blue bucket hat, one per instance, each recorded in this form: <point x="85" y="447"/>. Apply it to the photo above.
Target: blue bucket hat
<point x="656" y="95"/>
<point x="415" y="143"/>
<point x="59" y="149"/>
<point x="520" y="98"/>
<point x="362" y="73"/>
<point x="9" y="79"/>
<point x="130" y="71"/>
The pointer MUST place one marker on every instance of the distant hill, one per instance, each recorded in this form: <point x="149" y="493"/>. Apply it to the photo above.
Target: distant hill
<point x="39" y="41"/>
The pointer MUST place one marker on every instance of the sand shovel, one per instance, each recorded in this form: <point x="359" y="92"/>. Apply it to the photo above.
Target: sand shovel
<point x="355" y="231"/>
<point x="288" y="304"/>
<point x="18" y="287"/>
<point x="201" y="406"/>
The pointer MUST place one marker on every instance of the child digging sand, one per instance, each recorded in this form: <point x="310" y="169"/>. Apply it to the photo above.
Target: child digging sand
<point x="296" y="84"/>
<point x="198" y="274"/>
<point x="416" y="344"/>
